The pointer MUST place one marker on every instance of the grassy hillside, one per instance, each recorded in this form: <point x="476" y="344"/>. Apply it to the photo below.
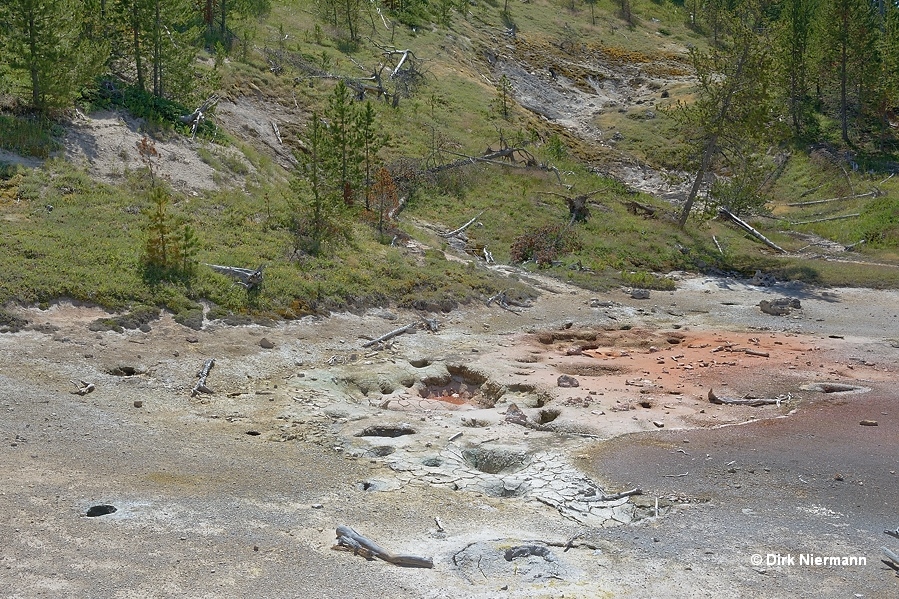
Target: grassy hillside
<point x="89" y="246"/>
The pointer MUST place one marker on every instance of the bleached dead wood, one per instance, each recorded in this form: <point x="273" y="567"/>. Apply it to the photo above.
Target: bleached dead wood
<point x="749" y="229"/>
<point x="83" y="387"/>
<point x="350" y="540"/>
<point x="873" y="194"/>
<point x="828" y="218"/>
<point x="754" y="402"/>
<point x="717" y="245"/>
<point x="461" y="229"/>
<point x="890" y="554"/>
<point x="277" y="132"/>
<point x="391" y="334"/>
<point x="201" y="387"/>
<point x="246" y="277"/>
<point x="501" y="301"/>
<point x="196" y="117"/>
<point x="612" y="497"/>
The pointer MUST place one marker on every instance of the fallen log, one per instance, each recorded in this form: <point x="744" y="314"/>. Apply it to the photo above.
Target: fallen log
<point x="613" y="496"/>
<point x="245" y="277"/>
<point x="747" y="401"/>
<point x="391" y="334"/>
<point x="829" y="218"/>
<point x="201" y="387"/>
<point x="196" y="117"/>
<point x="463" y="227"/>
<point x="749" y="229"/>
<point x="873" y="193"/>
<point x="893" y="557"/>
<point x="350" y="540"/>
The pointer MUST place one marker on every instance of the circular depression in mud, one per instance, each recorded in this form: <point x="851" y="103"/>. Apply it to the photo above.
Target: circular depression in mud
<point x="496" y="460"/>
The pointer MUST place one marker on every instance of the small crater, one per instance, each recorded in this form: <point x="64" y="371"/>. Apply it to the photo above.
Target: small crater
<point x="387" y="430"/>
<point x="124" y="370"/>
<point x="496" y="460"/>
<point x="420" y="363"/>
<point x="475" y="422"/>
<point x="645" y="403"/>
<point x="527" y="551"/>
<point x="432" y="462"/>
<point x="830" y="387"/>
<point x="381" y="451"/>
<point x="100" y="510"/>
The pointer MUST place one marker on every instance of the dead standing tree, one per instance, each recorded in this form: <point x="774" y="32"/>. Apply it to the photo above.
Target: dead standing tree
<point x="577" y="205"/>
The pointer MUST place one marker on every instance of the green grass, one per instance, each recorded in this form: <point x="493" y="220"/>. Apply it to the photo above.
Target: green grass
<point x="88" y="247"/>
<point x="31" y="137"/>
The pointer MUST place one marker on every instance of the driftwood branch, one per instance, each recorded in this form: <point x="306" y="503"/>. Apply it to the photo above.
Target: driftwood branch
<point x="501" y="301"/>
<point x="350" y="540"/>
<point x="754" y="402"/>
<point x="201" y="387"/>
<point x="463" y="227"/>
<point x="890" y="554"/>
<point x="717" y="245"/>
<point x="391" y="334"/>
<point x="749" y="229"/>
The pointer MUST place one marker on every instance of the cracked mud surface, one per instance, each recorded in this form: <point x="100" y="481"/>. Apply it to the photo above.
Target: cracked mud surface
<point x="238" y="493"/>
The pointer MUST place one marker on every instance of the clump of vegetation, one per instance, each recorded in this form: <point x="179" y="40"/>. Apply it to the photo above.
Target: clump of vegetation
<point x="138" y="318"/>
<point x="544" y="245"/>
<point x="647" y="280"/>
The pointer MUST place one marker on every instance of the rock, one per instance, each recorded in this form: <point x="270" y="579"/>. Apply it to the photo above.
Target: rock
<point x="192" y="339"/>
<point x="640" y="293"/>
<point x="868" y="423"/>
<point x="658" y="424"/>
<point x="264" y="343"/>
<point x="317" y="506"/>
<point x="567" y="381"/>
<point x="138" y="403"/>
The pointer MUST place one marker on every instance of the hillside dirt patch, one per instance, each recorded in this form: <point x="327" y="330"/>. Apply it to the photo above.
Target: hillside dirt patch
<point x="458" y="445"/>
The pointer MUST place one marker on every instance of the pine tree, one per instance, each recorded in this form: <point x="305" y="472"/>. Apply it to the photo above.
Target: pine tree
<point x="849" y="52"/>
<point x="794" y="43"/>
<point x="43" y="42"/>
<point x="318" y="215"/>
<point x="340" y="155"/>
<point x="733" y="112"/>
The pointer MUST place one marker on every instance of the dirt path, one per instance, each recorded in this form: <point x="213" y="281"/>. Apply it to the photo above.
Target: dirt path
<point x="239" y="492"/>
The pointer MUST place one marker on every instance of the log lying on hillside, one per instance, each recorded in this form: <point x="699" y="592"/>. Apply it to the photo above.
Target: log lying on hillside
<point x="727" y="214"/>
<point x="246" y="277"/>
<point x="350" y="540"/>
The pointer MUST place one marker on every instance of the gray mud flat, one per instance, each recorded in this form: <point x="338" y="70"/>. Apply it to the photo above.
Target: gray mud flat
<point x="136" y="489"/>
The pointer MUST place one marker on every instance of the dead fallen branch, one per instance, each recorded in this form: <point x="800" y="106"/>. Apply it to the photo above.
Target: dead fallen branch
<point x="201" y="387"/>
<point x="83" y="388"/>
<point x="746" y="401"/>
<point x="391" y="334"/>
<point x="350" y="540"/>
<point x="501" y="301"/>
<point x="196" y="117"/>
<point x="245" y="277"/>
<point x="463" y="227"/>
<point x="873" y="194"/>
<point x="727" y="214"/>
<point x="829" y="218"/>
<point x="893" y="557"/>
<point x="613" y="496"/>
